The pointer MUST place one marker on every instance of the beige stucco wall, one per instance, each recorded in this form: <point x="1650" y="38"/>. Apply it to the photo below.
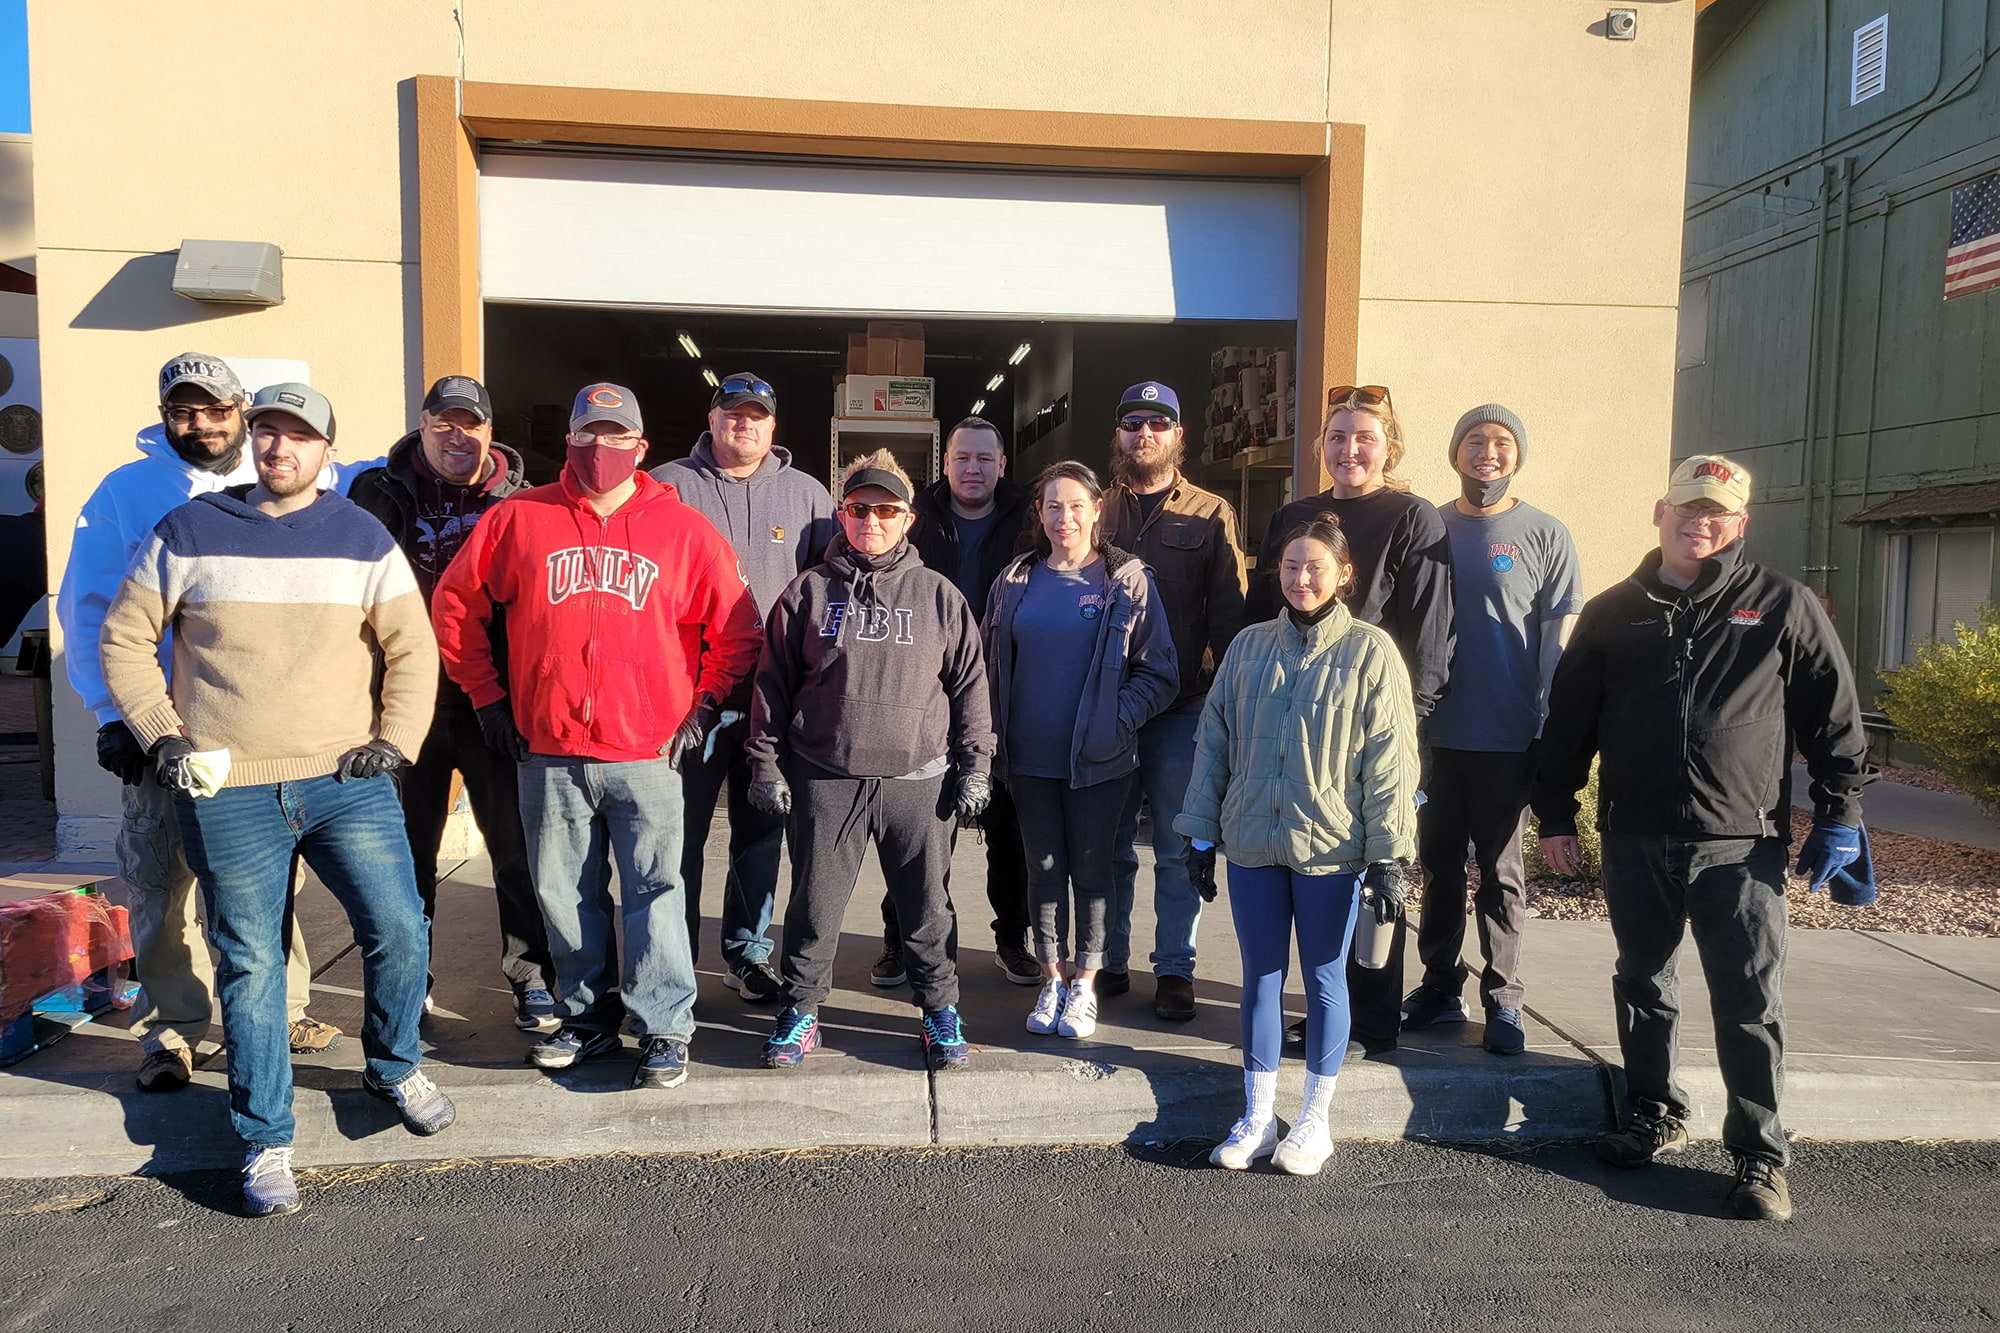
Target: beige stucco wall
<point x="1521" y="213"/>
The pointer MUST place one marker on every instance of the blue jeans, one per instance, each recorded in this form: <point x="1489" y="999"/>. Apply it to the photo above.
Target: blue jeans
<point x="239" y="844"/>
<point x="1267" y="902"/>
<point x="756" y="841"/>
<point x="1166" y="763"/>
<point x="581" y="816"/>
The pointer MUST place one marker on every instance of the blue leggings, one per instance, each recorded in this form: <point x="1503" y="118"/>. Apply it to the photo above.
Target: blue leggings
<point x="1265" y="901"/>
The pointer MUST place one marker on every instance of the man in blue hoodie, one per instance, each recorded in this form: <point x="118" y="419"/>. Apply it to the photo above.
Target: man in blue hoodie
<point x="197" y="448"/>
<point x="779" y="522"/>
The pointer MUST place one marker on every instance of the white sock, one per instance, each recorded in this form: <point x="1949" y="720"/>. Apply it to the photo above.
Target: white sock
<point x="1319" y="1096"/>
<point x="1260" y="1096"/>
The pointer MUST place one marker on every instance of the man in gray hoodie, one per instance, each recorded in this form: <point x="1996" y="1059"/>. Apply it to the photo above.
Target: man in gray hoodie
<point x="779" y="521"/>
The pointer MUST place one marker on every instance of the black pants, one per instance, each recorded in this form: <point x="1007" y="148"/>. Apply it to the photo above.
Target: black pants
<point x="1375" y="994"/>
<point x="1006" y="874"/>
<point x="1481" y="798"/>
<point x="1731" y="891"/>
<point x="1069" y="835"/>
<point x="455" y="743"/>
<point x="832" y="822"/>
<point x="756" y="840"/>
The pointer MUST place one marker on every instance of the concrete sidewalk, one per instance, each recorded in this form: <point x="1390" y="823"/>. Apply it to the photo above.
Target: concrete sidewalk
<point x="1901" y="808"/>
<point x="1892" y="1036"/>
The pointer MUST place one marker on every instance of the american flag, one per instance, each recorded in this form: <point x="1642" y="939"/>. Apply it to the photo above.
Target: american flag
<point x="1972" y="264"/>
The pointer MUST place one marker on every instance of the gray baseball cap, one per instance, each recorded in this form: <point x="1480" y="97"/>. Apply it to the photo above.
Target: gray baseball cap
<point x="606" y="402"/>
<point x="300" y="400"/>
<point x="210" y="374"/>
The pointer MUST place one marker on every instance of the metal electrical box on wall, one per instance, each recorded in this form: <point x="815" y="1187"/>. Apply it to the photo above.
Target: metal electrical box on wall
<point x="230" y="272"/>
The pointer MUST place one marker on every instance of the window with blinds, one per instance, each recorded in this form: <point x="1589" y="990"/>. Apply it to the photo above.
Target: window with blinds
<point x="1936" y="580"/>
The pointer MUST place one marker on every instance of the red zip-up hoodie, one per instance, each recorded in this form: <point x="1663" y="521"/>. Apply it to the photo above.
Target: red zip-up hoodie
<point x="614" y="622"/>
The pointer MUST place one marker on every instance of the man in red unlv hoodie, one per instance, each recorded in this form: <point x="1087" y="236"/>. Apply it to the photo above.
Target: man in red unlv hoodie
<point x="627" y="620"/>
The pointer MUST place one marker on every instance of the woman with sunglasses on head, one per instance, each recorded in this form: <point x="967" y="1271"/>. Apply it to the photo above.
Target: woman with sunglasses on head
<point x="1080" y="657"/>
<point x="1305" y="778"/>
<point x="869" y="723"/>
<point x="1402" y="582"/>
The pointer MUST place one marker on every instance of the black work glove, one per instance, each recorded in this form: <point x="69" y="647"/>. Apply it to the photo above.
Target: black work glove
<point x="170" y="765"/>
<point x="369" y="761"/>
<point x="773" y="798"/>
<point x="974" y="794"/>
<point x="120" y="754"/>
<point x="1201" y="871"/>
<point x="1383" y="888"/>
<point x="496" y="724"/>
<point x="690" y="735"/>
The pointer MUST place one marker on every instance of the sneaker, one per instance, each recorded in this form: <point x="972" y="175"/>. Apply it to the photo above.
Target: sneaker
<point x="269" y="1189"/>
<point x="794" y="1035"/>
<point x="1358" y="1049"/>
<point x="166" y="1070"/>
<point x="1760" y="1193"/>
<point x="663" y="1063"/>
<point x="757" y="983"/>
<point x="1247" y="1142"/>
<point x="1079" y="1012"/>
<point x="1048" y="1008"/>
<point x="309" y="1036"/>
<point x="1016" y="963"/>
<point x="1503" y="1032"/>
<point x="1173" y="999"/>
<point x="535" y="1009"/>
<point x="944" y="1039"/>
<point x="424" y="1108"/>
<point x="1428" y="1005"/>
<point x="430" y="1005"/>
<point x="1305" y="1149"/>
<point x="1109" y="983"/>
<point x="889" y="970"/>
<point x="571" y="1045"/>
<point x="1644" y="1140"/>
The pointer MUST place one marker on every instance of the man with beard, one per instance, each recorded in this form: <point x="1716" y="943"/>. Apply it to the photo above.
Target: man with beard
<point x="439" y="480"/>
<point x="779" y="522"/>
<point x="197" y="448"/>
<point x="1187" y="537"/>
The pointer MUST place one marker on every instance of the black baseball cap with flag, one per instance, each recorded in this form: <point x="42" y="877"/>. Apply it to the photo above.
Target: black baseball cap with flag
<point x="462" y="392"/>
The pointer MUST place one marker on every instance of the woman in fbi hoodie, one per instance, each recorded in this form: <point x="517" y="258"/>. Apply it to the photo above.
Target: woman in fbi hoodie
<point x="869" y="722"/>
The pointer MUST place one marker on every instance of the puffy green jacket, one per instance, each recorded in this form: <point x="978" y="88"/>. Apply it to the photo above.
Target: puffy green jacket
<point x="1307" y="755"/>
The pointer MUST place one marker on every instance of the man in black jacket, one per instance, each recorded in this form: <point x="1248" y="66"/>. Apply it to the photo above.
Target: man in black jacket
<point x="1694" y="680"/>
<point x="437" y="482"/>
<point x="968" y="527"/>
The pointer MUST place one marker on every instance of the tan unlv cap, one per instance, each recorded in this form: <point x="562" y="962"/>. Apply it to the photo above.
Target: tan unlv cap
<point x="1710" y="477"/>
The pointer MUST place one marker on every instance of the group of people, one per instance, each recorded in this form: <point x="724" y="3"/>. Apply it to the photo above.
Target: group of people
<point x="289" y="657"/>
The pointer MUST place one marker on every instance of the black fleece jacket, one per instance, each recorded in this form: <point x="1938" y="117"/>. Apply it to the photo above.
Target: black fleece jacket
<point x="1695" y="698"/>
<point x="936" y="536"/>
<point x="872" y="668"/>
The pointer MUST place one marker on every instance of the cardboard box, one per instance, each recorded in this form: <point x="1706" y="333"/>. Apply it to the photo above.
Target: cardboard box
<point x="881" y="354"/>
<point x="857" y="354"/>
<point x="909" y="356"/>
<point x="887" y="396"/>
<point x="894" y="348"/>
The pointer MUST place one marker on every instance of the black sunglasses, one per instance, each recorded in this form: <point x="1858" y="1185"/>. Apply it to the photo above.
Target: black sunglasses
<point x="743" y="384"/>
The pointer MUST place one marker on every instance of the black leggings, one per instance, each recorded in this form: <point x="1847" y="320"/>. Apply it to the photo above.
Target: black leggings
<point x="1068" y="833"/>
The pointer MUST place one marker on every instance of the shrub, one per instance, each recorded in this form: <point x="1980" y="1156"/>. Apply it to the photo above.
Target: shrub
<point x="1586" y="830"/>
<point x="1948" y="702"/>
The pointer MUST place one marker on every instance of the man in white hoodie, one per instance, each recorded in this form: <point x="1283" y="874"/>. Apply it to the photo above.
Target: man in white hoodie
<point x="197" y="448"/>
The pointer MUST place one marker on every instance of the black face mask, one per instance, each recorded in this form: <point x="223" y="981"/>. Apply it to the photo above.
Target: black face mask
<point x="191" y="450"/>
<point x="1483" y="494"/>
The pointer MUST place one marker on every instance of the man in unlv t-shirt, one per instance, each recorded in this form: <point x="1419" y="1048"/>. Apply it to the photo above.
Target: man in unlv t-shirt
<point x="627" y="622"/>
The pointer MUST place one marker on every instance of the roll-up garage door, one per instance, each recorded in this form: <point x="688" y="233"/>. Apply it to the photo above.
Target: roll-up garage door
<point x="574" y="229"/>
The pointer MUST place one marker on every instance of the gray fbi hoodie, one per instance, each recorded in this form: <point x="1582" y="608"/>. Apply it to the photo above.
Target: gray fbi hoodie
<point x="779" y="520"/>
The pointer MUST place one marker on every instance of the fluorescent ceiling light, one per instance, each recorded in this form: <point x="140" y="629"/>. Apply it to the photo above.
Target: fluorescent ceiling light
<point x="709" y="375"/>
<point x="978" y="406"/>
<point x="995" y="383"/>
<point x="1020" y="354"/>
<point x="687" y="344"/>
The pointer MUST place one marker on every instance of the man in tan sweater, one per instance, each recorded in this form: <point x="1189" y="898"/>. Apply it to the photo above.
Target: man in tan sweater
<point x="275" y="740"/>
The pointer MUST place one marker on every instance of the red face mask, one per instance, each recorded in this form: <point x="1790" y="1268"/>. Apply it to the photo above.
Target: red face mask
<point x="599" y="469"/>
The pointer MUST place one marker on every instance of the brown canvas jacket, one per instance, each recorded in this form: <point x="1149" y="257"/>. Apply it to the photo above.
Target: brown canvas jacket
<point x="1196" y="554"/>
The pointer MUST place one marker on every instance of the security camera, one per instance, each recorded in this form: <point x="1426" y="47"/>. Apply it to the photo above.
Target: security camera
<point x="1621" y="25"/>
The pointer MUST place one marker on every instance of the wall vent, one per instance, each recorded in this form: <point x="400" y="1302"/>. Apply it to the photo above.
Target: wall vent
<point x="1871" y="61"/>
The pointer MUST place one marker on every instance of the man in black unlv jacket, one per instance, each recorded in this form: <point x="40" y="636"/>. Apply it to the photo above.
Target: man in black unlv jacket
<point x="1694" y="680"/>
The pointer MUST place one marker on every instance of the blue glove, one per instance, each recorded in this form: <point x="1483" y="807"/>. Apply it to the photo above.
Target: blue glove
<point x="1855" y="885"/>
<point x="1828" y="849"/>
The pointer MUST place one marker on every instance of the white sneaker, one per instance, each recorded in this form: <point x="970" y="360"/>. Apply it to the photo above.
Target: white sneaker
<point x="1048" y="1007"/>
<point x="268" y="1186"/>
<point x="1079" y="1012"/>
<point x="1248" y="1140"/>
<point x="1305" y="1149"/>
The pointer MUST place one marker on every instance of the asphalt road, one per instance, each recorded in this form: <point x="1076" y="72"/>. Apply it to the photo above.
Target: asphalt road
<point x="1395" y="1237"/>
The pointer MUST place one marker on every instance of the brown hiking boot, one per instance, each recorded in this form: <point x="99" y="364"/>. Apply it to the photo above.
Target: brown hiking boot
<point x="1760" y="1193"/>
<point x="1644" y="1140"/>
<point x="166" y="1070"/>
<point x="310" y="1036"/>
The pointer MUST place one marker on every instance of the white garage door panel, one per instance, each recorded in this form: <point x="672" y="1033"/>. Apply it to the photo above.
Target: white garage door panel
<point x="569" y="229"/>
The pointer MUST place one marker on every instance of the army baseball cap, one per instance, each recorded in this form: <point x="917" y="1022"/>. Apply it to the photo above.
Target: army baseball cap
<point x="210" y="374"/>
<point x="606" y="402"/>
<point x="462" y="392"/>
<point x="300" y="400"/>
<point x="1710" y="477"/>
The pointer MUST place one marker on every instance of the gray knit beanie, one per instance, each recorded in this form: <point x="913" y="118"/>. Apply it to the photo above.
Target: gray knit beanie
<point x="1479" y="416"/>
